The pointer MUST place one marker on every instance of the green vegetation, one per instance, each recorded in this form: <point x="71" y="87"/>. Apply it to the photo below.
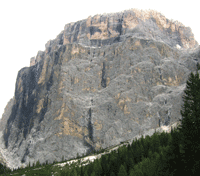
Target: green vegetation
<point x="190" y="126"/>
<point x="162" y="154"/>
<point x="3" y="169"/>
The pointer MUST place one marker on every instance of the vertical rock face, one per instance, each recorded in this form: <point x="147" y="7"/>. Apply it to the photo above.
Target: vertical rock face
<point x="100" y="82"/>
<point x="108" y="29"/>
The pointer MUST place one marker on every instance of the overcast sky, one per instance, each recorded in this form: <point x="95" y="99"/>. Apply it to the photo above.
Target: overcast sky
<point x="26" y="26"/>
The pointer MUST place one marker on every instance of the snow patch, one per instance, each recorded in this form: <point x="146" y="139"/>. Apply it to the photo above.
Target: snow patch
<point x="178" y="46"/>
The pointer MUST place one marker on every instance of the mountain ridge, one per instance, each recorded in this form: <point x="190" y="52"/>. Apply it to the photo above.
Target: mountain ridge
<point x="144" y="15"/>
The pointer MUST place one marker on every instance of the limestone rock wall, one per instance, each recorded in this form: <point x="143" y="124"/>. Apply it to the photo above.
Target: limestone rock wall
<point x="105" y="29"/>
<point x="6" y="114"/>
<point x="102" y="81"/>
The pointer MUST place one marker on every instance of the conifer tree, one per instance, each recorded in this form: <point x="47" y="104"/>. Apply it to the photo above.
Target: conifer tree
<point x="37" y="163"/>
<point x="86" y="174"/>
<point x="155" y="142"/>
<point x="122" y="171"/>
<point x="131" y="172"/>
<point x="93" y="173"/>
<point x="2" y="169"/>
<point x="74" y="173"/>
<point x="96" y="166"/>
<point x="190" y="125"/>
<point x="137" y="171"/>
<point x="174" y="156"/>
<point x="112" y="174"/>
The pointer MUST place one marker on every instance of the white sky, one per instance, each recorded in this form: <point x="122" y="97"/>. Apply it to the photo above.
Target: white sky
<point x="26" y="26"/>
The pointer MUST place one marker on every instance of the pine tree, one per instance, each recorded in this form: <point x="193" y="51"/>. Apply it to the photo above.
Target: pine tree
<point x="37" y="163"/>
<point x="104" y="164"/>
<point x="2" y="169"/>
<point x="85" y="173"/>
<point x="190" y="125"/>
<point x="163" y="168"/>
<point x="122" y="171"/>
<point x="155" y="143"/>
<point x="93" y="173"/>
<point x="97" y="167"/>
<point x="174" y="156"/>
<point x="131" y="172"/>
<point x="112" y="174"/>
<point x="74" y="173"/>
<point x="137" y="171"/>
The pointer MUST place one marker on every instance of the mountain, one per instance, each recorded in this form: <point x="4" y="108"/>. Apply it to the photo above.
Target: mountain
<point x="101" y="81"/>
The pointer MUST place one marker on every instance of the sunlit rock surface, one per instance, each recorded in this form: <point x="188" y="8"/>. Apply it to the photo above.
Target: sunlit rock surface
<point x="102" y="81"/>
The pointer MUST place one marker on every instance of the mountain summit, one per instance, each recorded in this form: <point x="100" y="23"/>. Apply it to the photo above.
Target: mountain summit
<point x="103" y="80"/>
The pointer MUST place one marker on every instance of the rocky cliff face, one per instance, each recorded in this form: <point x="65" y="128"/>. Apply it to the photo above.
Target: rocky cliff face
<point x="103" y="80"/>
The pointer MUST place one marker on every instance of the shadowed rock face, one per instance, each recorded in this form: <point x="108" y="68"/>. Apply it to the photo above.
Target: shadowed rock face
<point x="102" y="81"/>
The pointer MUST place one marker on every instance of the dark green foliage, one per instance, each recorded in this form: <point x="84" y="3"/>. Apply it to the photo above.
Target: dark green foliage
<point x="112" y="174"/>
<point x="164" y="139"/>
<point x="4" y="170"/>
<point x="190" y="125"/>
<point x="122" y="171"/>
<point x="131" y="172"/>
<point x="198" y="66"/>
<point x="97" y="168"/>
<point x="37" y="163"/>
<point x="74" y="172"/>
<point x="104" y="164"/>
<point x="174" y="154"/>
<point x="155" y="143"/>
<point x="137" y="171"/>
